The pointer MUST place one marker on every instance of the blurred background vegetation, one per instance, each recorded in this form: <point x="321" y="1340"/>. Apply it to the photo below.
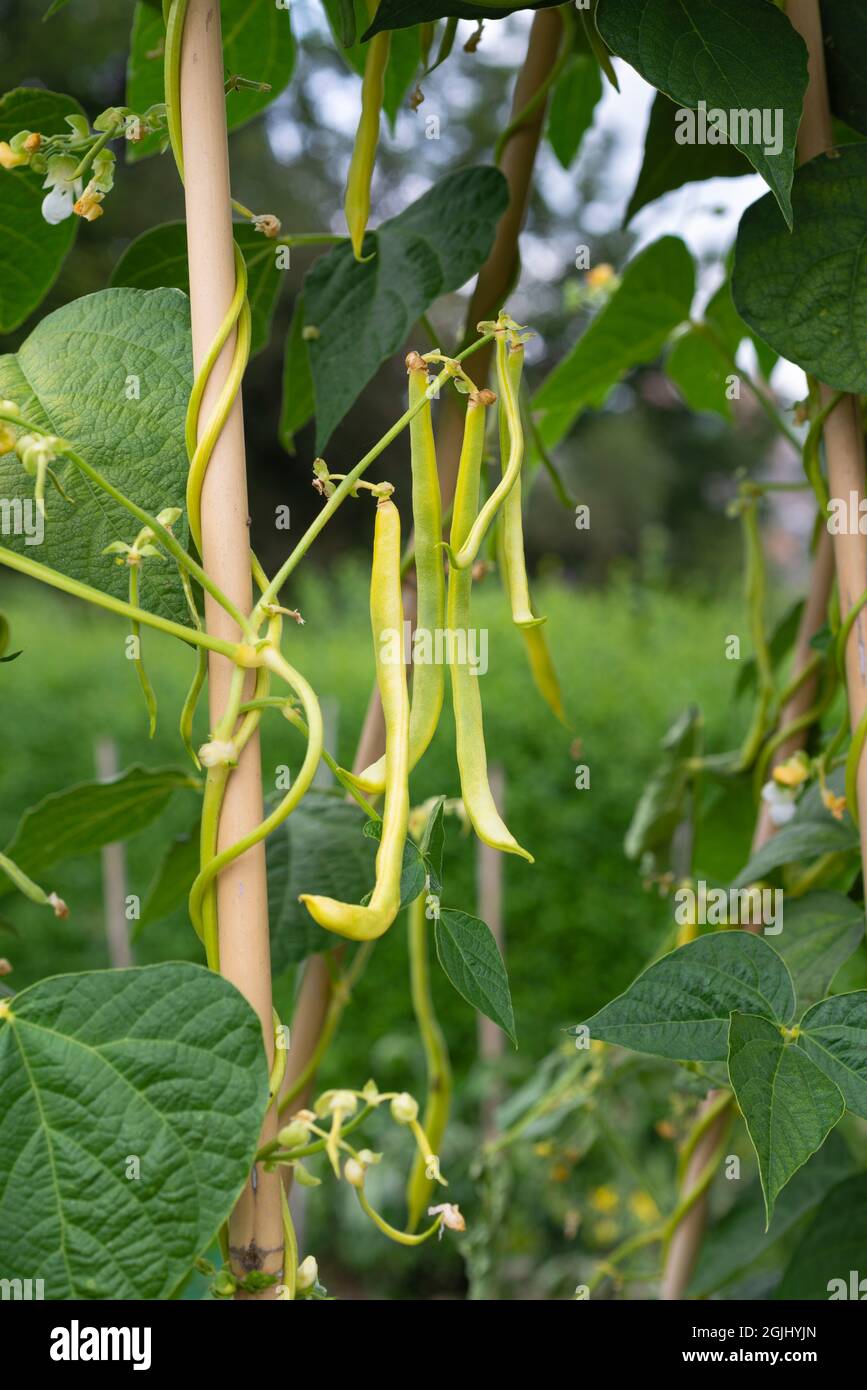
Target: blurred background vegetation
<point x="639" y="608"/>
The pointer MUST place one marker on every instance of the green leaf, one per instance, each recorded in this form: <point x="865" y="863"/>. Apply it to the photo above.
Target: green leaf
<point x="700" y="373"/>
<point x="662" y="803"/>
<point x="85" y="817"/>
<point x="471" y="958"/>
<point x="318" y="849"/>
<point x="77" y="375"/>
<point x="834" y="1034"/>
<point x="173" y="879"/>
<point x="32" y="250"/>
<point x="844" y="29"/>
<point x="799" y="840"/>
<point x="257" y="44"/>
<point x="735" y="1243"/>
<point x="404" y="58"/>
<point x="413" y="876"/>
<point x="158" y="258"/>
<point x="431" y="248"/>
<point x="433" y="842"/>
<point x="399" y="14"/>
<point x="573" y="103"/>
<point x="164" y="1065"/>
<point x="668" y="165"/>
<point x="724" y="319"/>
<point x="788" y="1104"/>
<point x="298" y="403"/>
<point x="805" y="292"/>
<point x="653" y="298"/>
<point x="680" y="1006"/>
<point x="832" y="1247"/>
<point x="733" y="55"/>
<point x="820" y="933"/>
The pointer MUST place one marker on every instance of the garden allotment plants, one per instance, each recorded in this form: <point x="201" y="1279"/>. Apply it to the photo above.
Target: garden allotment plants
<point x="154" y="1120"/>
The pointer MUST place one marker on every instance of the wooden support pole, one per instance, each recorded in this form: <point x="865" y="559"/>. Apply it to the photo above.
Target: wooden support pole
<point x="114" y="881"/>
<point x="255" y="1228"/>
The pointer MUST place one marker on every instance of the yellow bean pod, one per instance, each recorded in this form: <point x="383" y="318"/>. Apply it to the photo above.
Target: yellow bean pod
<point x="544" y="672"/>
<point x="428" y="677"/>
<point x="357" y="201"/>
<point x="386" y="619"/>
<point x="462" y="556"/>
<point x="515" y="566"/>
<point x="469" y="730"/>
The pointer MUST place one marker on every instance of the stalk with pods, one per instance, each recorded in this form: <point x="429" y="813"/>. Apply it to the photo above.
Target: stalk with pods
<point x="160" y="1123"/>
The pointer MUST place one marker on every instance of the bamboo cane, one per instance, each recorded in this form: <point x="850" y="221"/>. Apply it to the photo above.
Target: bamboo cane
<point x="255" y="1229"/>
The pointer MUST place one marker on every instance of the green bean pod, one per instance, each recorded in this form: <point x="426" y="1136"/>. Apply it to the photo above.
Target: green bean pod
<point x="357" y="201"/>
<point x="517" y="584"/>
<point x="469" y="730"/>
<point x="428" y="677"/>
<point x="386" y="620"/>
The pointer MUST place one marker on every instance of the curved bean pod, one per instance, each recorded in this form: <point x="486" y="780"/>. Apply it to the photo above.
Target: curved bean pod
<point x="386" y="618"/>
<point x="357" y="201"/>
<point x="517" y="584"/>
<point x="469" y="730"/>
<point x="428" y="677"/>
<point x="461" y="557"/>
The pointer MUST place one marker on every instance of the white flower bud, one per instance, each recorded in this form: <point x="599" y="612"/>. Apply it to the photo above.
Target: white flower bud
<point x="308" y="1273"/>
<point x="344" y="1101"/>
<point x="353" y="1172"/>
<point x="293" y="1135"/>
<point x="218" y="753"/>
<point x="404" y="1108"/>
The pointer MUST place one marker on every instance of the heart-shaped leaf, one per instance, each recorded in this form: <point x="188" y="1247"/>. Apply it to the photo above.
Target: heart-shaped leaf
<point x="667" y="164"/>
<point x="158" y="258"/>
<point x="805" y="840"/>
<point x="789" y="1105"/>
<point x="358" y="313"/>
<point x="738" y="57"/>
<point x="471" y="958"/>
<point x="111" y="373"/>
<point x="680" y="1006"/>
<point x="834" y="1034"/>
<point x="805" y="292"/>
<point x="31" y="250"/>
<point x="83" y="818"/>
<point x="653" y="298"/>
<point x="130" y="1108"/>
<point x="820" y="933"/>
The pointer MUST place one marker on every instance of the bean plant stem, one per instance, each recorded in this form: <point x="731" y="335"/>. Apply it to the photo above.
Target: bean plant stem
<point x="24" y="565"/>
